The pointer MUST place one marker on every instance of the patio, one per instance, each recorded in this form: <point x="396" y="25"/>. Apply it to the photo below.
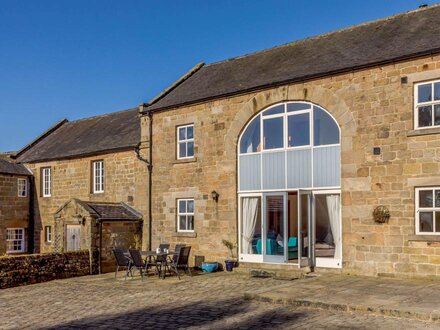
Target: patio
<point x="214" y="301"/>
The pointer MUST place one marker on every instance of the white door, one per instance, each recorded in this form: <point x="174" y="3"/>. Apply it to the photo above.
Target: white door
<point x="73" y="242"/>
<point x="274" y="240"/>
<point x="305" y="228"/>
<point x="327" y="229"/>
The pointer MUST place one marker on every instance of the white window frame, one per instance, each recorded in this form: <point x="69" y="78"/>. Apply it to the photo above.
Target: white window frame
<point x="22" y="186"/>
<point x="186" y="141"/>
<point x="186" y="214"/>
<point x="432" y="209"/>
<point x="48" y="234"/>
<point x="46" y="181"/>
<point x="430" y="103"/>
<point x="98" y="176"/>
<point x="21" y="241"/>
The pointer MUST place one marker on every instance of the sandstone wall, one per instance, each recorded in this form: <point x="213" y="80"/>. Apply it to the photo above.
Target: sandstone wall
<point x="14" y="210"/>
<point x="373" y="107"/>
<point x="126" y="180"/>
<point x="36" y="268"/>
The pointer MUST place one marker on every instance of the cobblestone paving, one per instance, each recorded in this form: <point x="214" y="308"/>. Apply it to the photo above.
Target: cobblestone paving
<point x="213" y="301"/>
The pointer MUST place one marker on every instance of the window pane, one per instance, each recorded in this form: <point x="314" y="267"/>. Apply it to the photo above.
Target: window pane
<point x="190" y="132"/>
<point x="425" y="116"/>
<point x="424" y="92"/>
<point x="182" y="133"/>
<point x="437" y="198"/>
<point x="297" y="106"/>
<point x="250" y="140"/>
<point x="182" y="222"/>
<point x="426" y="220"/>
<point x="182" y="149"/>
<point x="437" y="114"/>
<point x="190" y="223"/>
<point x="190" y="205"/>
<point x="437" y="222"/>
<point x="182" y="206"/>
<point x="425" y="198"/>
<point x="273" y="133"/>
<point x="190" y="150"/>
<point x="437" y="91"/>
<point x="275" y="110"/>
<point x="326" y="131"/>
<point x="251" y="225"/>
<point x="298" y="130"/>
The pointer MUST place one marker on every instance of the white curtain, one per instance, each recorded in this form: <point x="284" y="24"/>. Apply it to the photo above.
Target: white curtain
<point x="249" y="220"/>
<point x="334" y="209"/>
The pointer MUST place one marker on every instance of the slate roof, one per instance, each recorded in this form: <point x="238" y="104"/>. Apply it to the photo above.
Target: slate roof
<point x="114" y="211"/>
<point x="9" y="167"/>
<point x="395" y="38"/>
<point x="113" y="131"/>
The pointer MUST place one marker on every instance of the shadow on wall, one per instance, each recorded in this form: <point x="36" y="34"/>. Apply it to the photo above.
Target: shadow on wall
<point x="236" y="312"/>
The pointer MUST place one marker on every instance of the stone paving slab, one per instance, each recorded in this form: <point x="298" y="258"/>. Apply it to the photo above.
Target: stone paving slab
<point x="210" y="301"/>
<point x="403" y="298"/>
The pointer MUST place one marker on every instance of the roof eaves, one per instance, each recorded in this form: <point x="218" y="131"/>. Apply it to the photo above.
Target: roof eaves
<point x="188" y="74"/>
<point x="39" y="138"/>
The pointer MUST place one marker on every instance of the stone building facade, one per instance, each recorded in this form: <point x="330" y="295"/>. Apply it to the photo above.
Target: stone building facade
<point x="89" y="173"/>
<point x="320" y="153"/>
<point x="15" y="186"/>
<point x="387" y="160"/>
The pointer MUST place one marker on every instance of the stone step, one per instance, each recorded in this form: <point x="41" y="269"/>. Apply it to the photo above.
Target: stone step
<point x="279" y="271"/>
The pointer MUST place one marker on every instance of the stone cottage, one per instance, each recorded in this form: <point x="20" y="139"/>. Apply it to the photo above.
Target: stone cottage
<point x="90" y="185"/>
<point x="319" y="153"/>
<point x="15" y="207"/>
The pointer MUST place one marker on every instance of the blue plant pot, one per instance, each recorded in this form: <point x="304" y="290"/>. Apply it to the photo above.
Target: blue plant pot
<point x="229" y="265"/>
<point x="209" y="267"/>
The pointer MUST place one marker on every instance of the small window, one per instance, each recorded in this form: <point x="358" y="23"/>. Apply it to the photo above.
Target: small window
<point x="15" y="240"/>
<point x="22" y="187"/>
<point x="428" y="211"/>
<point x="185" y="141"/>
<point x="48" y="234"/>
<point x="427" y="104"/>
<point x="46" y="181"/>
<point x="98" y="176"/>
<point x="185" y="215"/>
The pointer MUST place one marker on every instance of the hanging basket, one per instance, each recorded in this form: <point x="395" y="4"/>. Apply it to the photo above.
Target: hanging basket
<point x="381" y="214"/>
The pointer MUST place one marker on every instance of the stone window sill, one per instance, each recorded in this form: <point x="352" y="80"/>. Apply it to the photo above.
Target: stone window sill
<point x="186" y="160"/>
<point x="182" y="234"/>
<point x="426" y="131"/>
<point x="424" y="238"/>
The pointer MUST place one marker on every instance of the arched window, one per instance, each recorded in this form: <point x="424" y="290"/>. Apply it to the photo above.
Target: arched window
<point x="290" y="145"/>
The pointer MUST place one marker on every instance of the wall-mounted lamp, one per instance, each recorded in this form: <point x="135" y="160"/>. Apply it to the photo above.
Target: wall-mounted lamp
<point x="81" y="220"/>
<point x="215" y="195"/>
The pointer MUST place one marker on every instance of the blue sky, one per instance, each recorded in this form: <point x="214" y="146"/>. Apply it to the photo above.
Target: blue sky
<point x="75" y="59"/>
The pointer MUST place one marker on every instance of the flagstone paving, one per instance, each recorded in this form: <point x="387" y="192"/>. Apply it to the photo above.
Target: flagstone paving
<point x="212" y="301"/>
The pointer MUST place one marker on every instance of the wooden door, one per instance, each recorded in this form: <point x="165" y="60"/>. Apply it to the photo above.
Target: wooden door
<point x="73" y="242"/>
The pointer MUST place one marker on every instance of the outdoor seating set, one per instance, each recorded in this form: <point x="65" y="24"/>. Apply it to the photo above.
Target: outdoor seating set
<point x="162" y="260"/>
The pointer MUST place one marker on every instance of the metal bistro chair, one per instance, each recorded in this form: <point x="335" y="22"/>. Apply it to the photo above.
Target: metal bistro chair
<point x="137" y="262"/>
<point x="122" y="261"/>
<point x="181" y="261"/>
<point x="177" y="250"/>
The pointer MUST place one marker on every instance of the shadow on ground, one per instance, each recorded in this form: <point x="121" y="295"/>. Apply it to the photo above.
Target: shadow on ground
<point x="230" y="313"/>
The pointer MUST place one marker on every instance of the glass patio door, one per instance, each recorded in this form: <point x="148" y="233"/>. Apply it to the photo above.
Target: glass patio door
<point x="305" y="229"/>
<point x="274" y="238"/>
